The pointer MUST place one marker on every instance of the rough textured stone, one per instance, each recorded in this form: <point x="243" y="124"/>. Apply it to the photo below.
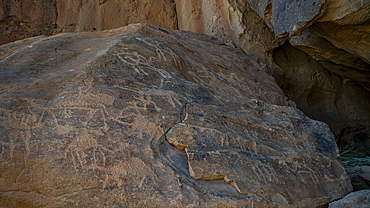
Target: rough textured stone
<point x="244" y="146"/>
<point x="84" y="120"/>
<point x="346" y="108"/>
<point x="352" y="68"/>
<point x="334" y="34"/>
<point x="26" y="18"/>
<point x="108" y="14"/>
<point x="291" y="16"/>
<point x="264" y="10"/>
<point x="231" y="21"/>
<point x="360" y="177"/>
<point x="352" y="38"/>
<point x="346" y="12"/>
<point x="358" y="199"/>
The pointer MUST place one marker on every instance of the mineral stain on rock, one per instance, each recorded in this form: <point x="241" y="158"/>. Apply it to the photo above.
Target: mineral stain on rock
<point x="84" y="120"/>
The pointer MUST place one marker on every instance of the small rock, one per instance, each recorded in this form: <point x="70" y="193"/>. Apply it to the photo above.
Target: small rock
<point x="359" y="199"/>
<point x="360" y="177"/>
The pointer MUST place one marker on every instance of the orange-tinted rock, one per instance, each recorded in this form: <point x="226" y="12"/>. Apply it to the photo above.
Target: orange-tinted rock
<point x="231" y="21"/>
<point x="109" y="14"/>
<point x="84" y="119"/>
<point x="26" y="18"/>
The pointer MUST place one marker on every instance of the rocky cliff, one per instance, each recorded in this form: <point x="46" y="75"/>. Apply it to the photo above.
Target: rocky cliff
<point x="318" y="51"/>
<point x="28" y="18"/>
<point x="143" y="116"/>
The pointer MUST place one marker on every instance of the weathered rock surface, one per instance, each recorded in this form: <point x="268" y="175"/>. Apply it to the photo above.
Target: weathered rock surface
<point x="339" y="41"/>
<point x="26" y="18"/>
<point x="360" y="177"/>
<point x="336" y="60"/>
<point x="331" y="83"/>
<point x="22" y="19"/>
<point x="333" y="33"/>
<point x="358" y="199"/>
<point x="291" y="16"/>
<point x="346" y="108"/>
<point x="87" y="120"/>
<point x="232" y="21"/>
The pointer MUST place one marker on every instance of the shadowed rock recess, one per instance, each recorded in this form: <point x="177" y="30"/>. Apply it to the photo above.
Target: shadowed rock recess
<point x="318" y="51"/>
<point x="143" y="116"/>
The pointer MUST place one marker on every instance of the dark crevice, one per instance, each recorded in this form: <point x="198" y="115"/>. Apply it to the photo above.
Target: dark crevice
<point x="56" y="13"/>
<point x="177" y="15"/>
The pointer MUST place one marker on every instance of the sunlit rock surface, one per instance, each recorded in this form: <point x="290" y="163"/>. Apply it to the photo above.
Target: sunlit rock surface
<point x="29" y="18"/>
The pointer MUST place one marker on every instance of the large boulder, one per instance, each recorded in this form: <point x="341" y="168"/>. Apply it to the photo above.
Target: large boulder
<point x="28" y="18"/>
<point x="143" y="116"/>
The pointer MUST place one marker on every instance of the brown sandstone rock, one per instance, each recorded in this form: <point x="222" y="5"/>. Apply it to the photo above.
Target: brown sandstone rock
<point x="84" y="120"/>
<point x="331" y="83"/>
<point x="231" y="21"/>
<point x="352" y="68"/>
<point x="344" y="107"/>
<point x="109" y="14"/>
<point x="26" y="18"/>
<point x="337" y="37"/>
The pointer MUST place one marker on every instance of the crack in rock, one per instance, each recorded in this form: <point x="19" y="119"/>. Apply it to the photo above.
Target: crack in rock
<point x="183" y="147"/>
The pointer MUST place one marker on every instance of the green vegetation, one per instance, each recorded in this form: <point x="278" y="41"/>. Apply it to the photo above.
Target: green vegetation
<point x="352" y="157"/>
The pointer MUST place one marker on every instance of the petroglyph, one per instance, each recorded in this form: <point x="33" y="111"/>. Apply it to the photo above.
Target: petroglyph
<point x="82" y="98"/>
<point x="207" y="149"/>
<point x="133" y="169"/>
<point x="144" y="97"/>
<point x="94" y="128"/>
<point x="79" y="135"/>
<point x="139" y="62"/>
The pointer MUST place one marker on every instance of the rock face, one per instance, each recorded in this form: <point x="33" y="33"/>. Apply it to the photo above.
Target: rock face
<point x="291" y="16"/>
<point x="360" y="177"/>
<point x="144" y="117"/>
<point x="334" y="35"/>
<point x="358" y="199"/>
<point x="26" y="18"/>
<point x="232" y="21"/>
<point x="318" y="51"/>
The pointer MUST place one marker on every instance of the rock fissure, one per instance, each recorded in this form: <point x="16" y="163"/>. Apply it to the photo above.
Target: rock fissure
<point x="184" y="116"/>
<point x="208" y="177"/>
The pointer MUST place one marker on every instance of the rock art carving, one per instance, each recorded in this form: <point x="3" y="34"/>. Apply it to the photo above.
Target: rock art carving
<point x="84" y="120"/>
